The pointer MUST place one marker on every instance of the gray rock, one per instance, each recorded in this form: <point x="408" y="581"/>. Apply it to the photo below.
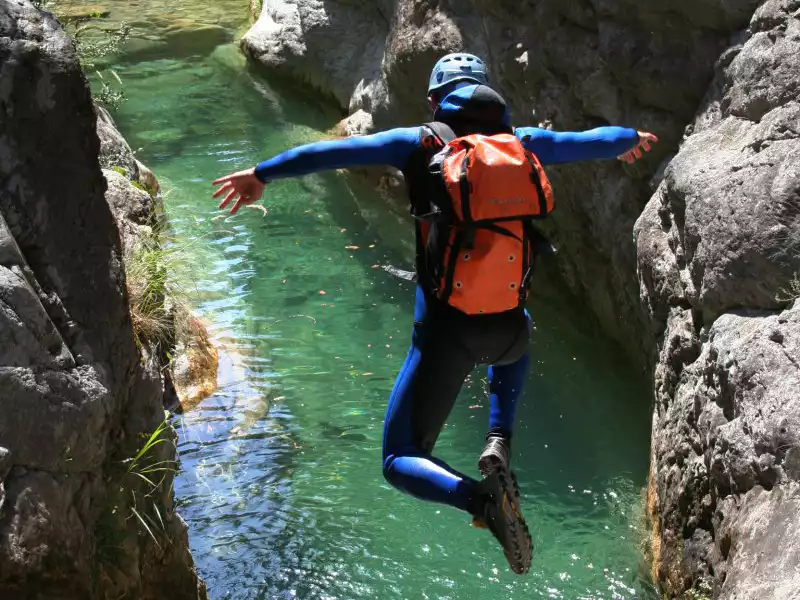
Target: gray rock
<point x="359" y="123"/>
<point x="114" y="149"/>
<point x="718" y="245"/>
<point x="296" y="37"/>
<point x="33" y="539"/>
<point x="760" y="535"/>
<point x="727" y="207"/>
<point x="55" y="421"/>
<point x="726" y="423"/>
<point x="5" y="467"/>
<point x="133" y="192"/>
<point x="74" y="397"/>
<point x="133" y="208"/>
<point x="27" y="335"/>
<point x="71" y="245"/>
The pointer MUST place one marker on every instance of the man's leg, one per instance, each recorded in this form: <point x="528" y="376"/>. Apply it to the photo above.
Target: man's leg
<point x="421" y="400"/>
<point x="506" y="384"/>
<point x="507" y="523"/>
<point x="505" y="388"/>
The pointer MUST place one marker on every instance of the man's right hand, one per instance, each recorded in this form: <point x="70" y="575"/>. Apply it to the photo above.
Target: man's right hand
<point x="243" y="187"/>
<point x="645" y="139"/>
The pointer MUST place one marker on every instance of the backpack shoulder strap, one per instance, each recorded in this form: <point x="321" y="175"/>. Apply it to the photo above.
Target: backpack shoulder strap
<point x="443" y="131"/>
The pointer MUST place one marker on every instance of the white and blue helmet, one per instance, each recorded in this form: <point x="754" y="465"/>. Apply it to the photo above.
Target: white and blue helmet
<point x="458" y="66"/>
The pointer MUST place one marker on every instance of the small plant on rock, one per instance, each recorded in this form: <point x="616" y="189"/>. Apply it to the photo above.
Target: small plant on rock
<point x="159" y="277"/>
<point x="791" y="292"/>
<point x="153" y="472"/>
<point x="138" y="486"/>
<point x="703" y="590"/>
<point x="93" y="43"/>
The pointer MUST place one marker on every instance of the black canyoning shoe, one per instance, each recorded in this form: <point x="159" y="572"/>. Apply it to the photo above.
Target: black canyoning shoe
<point x="496" y="453"/>
<point x="503" y="517"/>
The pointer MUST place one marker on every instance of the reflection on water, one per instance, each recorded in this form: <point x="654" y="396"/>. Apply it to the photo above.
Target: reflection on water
<point x="280" y="469"/>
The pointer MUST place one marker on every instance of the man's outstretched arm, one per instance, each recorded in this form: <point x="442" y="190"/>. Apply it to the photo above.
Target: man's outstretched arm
<point x="392" y="147"/>
<point x="553" y="147"/>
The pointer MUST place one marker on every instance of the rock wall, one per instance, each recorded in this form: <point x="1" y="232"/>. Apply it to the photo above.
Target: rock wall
<point x="700" y="292"/>
<point x="77" y="399"/>
<point x="568" y="65"/>
<point x="718" y="248"/>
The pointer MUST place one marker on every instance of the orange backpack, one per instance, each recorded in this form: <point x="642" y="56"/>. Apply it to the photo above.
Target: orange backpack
<point x="480" y="244"/>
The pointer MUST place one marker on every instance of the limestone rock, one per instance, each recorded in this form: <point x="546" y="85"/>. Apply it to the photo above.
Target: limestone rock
<point x="296" y="37"/>
<point x="133" y="208"/>
<point x="359" y="123"/>
<point x="74" y="396"/>
<point x="718" y="247"/>
<point x="114" y="149"/>
<point x="761" y="534"/>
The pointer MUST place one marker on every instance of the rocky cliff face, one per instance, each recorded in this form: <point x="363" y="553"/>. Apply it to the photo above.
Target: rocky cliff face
<point x="77" y="399"/>
<point x="692" y="289"/>
<point x="718" y="247"/>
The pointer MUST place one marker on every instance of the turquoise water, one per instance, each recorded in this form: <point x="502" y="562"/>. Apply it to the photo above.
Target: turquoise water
<point x="280" y="478"/>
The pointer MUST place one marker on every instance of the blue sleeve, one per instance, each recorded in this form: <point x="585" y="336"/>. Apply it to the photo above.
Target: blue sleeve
<point x="392" y="147"/>
<point x="552" y="147"/>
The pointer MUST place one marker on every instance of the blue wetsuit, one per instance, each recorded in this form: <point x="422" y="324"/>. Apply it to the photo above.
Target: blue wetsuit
<point x="447" y="345"/>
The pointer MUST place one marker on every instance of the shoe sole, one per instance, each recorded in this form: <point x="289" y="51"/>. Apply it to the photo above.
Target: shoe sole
<point x="521" y="555"/>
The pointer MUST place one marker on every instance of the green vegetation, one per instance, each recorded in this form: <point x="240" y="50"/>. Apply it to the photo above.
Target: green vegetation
<point x="703" y="590"/>
<point x="790" y="292"/>
<point x="153" y="472"/>
<point x="138" y="485"/>
<point x="158" y="278"/>
<point x="93" y="43"/>
<point x="255" y="9"/>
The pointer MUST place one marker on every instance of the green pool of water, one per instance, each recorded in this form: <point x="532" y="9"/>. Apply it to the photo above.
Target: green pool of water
<point x="280" y="478"/>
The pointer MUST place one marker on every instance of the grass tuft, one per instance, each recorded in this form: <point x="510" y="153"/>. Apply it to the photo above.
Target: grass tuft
<point x="146" y="467"/>
<point x="791" y="292"/>
<point x="702" y="590"/>
<point x="158" y="279"/>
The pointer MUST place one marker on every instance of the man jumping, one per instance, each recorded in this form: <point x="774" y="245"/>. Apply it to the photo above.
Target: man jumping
<point x="476" y="185"/>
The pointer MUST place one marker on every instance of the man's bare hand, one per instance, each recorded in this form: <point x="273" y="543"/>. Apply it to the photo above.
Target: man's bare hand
<point x="242" y="188"/>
